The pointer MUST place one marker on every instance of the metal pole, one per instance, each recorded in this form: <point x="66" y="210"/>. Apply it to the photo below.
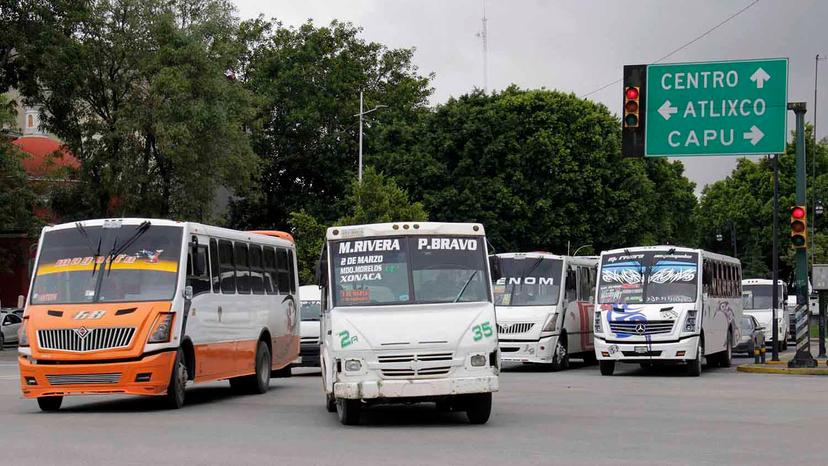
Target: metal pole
<point x="823" y="302"/>
<point x="813" y="171"/>
<point x="803" y="357"/>
<point x="775" y="260"/>
<point x="733" y="237"/>
<point x="360" y="137"/>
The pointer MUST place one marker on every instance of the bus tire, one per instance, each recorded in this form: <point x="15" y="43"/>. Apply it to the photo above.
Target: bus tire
<point x="560" y="360"/>
<point x="348" y="411"/>
<point x="2" y="341"/>
<point x="330" y="403"/>
<point x="259" y="381"/>
<point x="49" y="404"/>
<point x="607" y="367"/>
<point x="478" y="407"/>
<point x="726" y="357"/>
<point x="174" y="398"/>
<point x="589" y="358"/>
<point x="694" y="366"/>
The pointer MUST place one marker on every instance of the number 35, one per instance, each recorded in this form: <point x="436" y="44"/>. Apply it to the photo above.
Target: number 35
<point x="482" y="330"/>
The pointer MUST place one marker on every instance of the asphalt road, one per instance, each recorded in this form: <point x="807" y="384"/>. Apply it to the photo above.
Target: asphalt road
<point x="572" y="417"/>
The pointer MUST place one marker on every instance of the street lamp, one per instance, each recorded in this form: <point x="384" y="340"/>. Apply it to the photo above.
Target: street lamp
<point x="361" y="114"/>
<point x="819" y="209"/>
<point x="581" y="247"/>
<point x="719" y="237"/>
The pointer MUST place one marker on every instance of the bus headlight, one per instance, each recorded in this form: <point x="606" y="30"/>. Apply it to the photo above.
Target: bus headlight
<point x="478" y="360"/>
<point x="353" y="365"/>
<point x="23" y="334"/>
<point x="598" y="325"/>
<point x="162" y="328"/>
<point x="690" y="321"/>
<point x="551" y="323"/>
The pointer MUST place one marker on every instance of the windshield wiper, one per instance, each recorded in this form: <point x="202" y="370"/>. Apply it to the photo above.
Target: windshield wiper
<point x="463" y="290"/>
<point x="116" y="250"/>
<point x="95" y="251"/>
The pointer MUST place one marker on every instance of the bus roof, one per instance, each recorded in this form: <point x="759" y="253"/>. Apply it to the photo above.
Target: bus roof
<point x="404" y="229"/>
<point x="701" y="252"/>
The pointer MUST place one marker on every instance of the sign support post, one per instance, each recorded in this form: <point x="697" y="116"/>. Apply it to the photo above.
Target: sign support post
<point x="775" y="279"/>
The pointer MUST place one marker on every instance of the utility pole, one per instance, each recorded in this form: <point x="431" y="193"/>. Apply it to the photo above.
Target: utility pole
<point x="814" y="162"/>
<point x="775" y="259"/>
<point x="803" y="357"/>
<point x="361" y="114"/>
<point x="484" y="34"/>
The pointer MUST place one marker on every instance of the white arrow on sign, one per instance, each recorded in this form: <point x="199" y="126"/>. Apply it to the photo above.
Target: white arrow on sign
<point x="759" y="77"/>
<point x="666" y="110"/>
<point x="754" y="135"/>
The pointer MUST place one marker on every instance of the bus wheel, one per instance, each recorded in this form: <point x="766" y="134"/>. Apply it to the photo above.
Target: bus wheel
<point x="607" y="367"/>
<point x="178" y="380"/>
<point x="694" y="367"/>
<point x="49" y="403"/>
<point x="348" y="411"/>
<point x="259" y="382"/>
<point x="560" y="360"/>
<point x="478" y="407"/>
<point x="726" y="358"/>
<point x="330" y="402"/>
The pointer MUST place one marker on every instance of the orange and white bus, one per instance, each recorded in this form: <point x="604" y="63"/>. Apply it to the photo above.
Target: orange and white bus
<point x="144" y="306"/>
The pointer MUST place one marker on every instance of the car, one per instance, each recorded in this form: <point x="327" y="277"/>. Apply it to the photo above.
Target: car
<point x="753" y="335"/>
<point x="311" y="312"/>
<point x="9" y="325"/>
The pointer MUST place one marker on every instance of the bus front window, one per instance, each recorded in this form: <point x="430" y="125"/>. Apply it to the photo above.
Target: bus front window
<point x="528" y="282"/>
<point x="71" y="270"/>
<point x="651" y="277"/>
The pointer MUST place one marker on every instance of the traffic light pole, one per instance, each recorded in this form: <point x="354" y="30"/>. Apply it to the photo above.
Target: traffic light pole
<point x="803" y="357"/>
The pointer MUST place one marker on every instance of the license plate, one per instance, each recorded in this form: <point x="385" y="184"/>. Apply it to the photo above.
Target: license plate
<point x="641" y="349"/>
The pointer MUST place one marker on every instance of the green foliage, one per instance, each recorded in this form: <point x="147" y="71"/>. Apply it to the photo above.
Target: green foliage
<point x="17" y="201"/>
<point x="540" y="169"/>
<point x="308" y="80"/>
<point x="376" y="200"/>
<point x="746" y="199"/>
<point x="136" y="89"/>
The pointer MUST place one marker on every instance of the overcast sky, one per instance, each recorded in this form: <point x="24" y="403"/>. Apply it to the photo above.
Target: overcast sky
<point x="581" y="45"/>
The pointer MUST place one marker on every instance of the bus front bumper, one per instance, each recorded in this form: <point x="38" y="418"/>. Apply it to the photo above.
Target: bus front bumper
<point x="536" y="352"/>
<point x="416" y="388"/>
<point x="149" y="375"/>
<point x="642" y="351"/>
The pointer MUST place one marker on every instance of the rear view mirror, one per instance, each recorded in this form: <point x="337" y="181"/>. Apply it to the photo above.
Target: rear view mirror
<point x="322" y="269"/>
<point x="199" y="265"/>
<point x="494" y="265"/>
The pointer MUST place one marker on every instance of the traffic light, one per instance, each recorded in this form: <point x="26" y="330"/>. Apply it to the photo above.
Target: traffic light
<point x="799" y="227"/>
<point x="632" y="106"/>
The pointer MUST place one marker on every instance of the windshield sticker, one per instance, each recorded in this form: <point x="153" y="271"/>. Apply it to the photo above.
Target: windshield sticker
<point x="370" y="245"/>
<point x="671" y="272"/>
<point x="81" y="264"/>
<point x="149" y="255"/>
<point x="45" y="297"/>
<point x="355" y="296"/>
<point x="447" y="244"/>
<point x="627" y="273"/>
<point x="546" y="281"/>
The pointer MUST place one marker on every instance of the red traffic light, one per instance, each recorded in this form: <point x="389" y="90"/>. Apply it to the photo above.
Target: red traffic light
<point x="798" y="213"/>
<point x="631" y="92"/>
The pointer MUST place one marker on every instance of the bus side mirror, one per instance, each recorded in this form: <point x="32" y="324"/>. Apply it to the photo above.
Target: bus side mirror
<point x="199" y="266"/>
<point x="494" y="265"/>
<point x="188" y="292"/>
<point x="322" y="269"/>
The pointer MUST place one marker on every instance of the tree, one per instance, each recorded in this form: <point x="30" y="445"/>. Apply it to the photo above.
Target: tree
<point x="745" y="198"/>
<point x="308" y="80"/>
<point x="541" y="170"/>
<point x="137" y="90"/>
<point x="377" y="199"/>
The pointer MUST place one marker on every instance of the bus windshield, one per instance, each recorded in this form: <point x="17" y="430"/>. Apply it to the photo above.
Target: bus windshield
<point x="528" y="282"/>
<point x="648" y="277"/>
<point x="409" y="270"/>
<point x="760" y="297"/>
<point x="96" y="264"/>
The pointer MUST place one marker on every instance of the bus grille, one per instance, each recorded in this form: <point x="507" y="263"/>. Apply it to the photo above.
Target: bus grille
<point x="652" y="327"/>
<point x="68" y="339"/>
<point x="518" y="327"/>
<point x="415" y="365"/>
<point x="84" y="379"/>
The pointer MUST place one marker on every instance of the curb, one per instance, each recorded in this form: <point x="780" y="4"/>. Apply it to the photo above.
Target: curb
<point x="776" y="369"/>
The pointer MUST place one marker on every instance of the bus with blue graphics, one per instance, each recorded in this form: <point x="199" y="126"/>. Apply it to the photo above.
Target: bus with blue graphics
<point x="667" y="305"/>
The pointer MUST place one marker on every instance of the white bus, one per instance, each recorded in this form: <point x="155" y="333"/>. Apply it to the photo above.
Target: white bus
<point x="667" y="304"/>
<point x="757" y="300"/>
<point x="544" y="306"/>
<point x="143" y="306"/>
<point x="408" y="317"/>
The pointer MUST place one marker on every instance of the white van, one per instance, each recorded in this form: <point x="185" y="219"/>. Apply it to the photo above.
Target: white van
<point x="311" y="313"/>
<point x="757" y="301"/>
<point x="408" y="317"/>
<point x="544" y="306"/>
<point x="667" y="305"/>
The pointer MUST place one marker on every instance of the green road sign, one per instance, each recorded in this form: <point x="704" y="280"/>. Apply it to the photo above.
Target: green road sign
<point x="716" y="108"/>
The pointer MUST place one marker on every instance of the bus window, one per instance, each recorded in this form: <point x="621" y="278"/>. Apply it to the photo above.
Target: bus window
<point x="228" y="269"/>
<point x="291" y="272"/>
<point x="586" y="286"/>
<point x="283" y="276"/>
<point x="242" y="268"/>
<point x="571" y="291"/>
<point x="270" y="270"/>
<point x="256" y="284"/>
<point x="214" y="266"/>
<point x="198" y="279"/>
